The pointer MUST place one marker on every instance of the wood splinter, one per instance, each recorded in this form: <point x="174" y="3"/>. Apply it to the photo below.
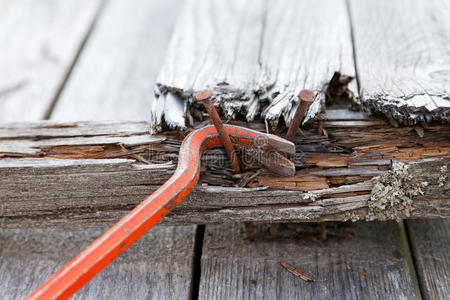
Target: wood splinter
<point x="296" y="271"/>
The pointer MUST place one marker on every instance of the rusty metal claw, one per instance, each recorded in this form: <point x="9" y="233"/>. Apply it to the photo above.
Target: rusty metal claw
<point x="266" y="145"/>
<point x="265" y="148"/>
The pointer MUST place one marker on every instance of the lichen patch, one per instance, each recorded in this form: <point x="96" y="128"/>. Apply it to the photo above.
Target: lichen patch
<point x="352" y="216"/>
<point x="393" y="193"/>
<point x="443" y="175"/>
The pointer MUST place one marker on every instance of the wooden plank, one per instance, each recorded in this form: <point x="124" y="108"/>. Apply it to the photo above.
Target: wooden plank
<point x="117" y="70"/>
<point x="39" y="42"/>
<point x="80" y="174"/>
<point x="158" y="266"/>
<point x="401" y="62"/>
<point x="29" y="257"/>
<point x="115" y="76"/>
<point x="402" y="74"/>
<point x="372" y="263"/>
<point x="430" y="242"/>
<point x="255" y="55"/>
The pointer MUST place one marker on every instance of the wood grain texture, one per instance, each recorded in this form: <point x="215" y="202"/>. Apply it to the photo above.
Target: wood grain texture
<point x="158" y="266"/>
<point x="80" y="175"/>
<point x="430" y="242"/>
<point x="255" y="55"/>
<point x="115" y="76"/>
<point x="39" y="42"/>
<point x="402" y="56"/>
<point x="29" y="257"/>
<point x="372" y="264"/>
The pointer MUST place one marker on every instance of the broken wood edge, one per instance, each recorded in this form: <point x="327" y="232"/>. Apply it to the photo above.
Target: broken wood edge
<point x="402" y="111"/>
<point x="233" y="103"/>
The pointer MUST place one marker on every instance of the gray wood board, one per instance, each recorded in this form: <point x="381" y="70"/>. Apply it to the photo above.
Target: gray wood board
<point x="158" y="266"/>
<point x="115" y="76"/>
<point x="113" y="81"/>
<point x="39" y="41"/>
<point x="372" y="264"/>
<point x="401" y="50"/>
<point x="430" y="242"/>
<point x="255" y="55"/>
<point x="29" y="257"/>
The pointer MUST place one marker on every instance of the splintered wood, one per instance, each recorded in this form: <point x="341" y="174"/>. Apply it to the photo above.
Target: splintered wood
<point x="256" y="56"/>
<point x="402" y="67"/>
<point x="89" y="174"/>
<point x="296" y="271"/>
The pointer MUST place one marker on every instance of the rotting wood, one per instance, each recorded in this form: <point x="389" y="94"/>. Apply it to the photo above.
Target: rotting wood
<point x="402" y="68"/>
<point x="271" y="54"/>
<point x="255" y="55"/>
<point x="92" y="183"/>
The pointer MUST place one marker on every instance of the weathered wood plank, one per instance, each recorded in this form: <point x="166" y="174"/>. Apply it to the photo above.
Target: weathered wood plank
<point x="158" y="266"/>
<point x="96" y="181"/>
<point x="29" y="257"/>
<point x="81" y="128"/>
<point x="402" y="72"/>
<point x="39" y="41"/>
<point x="430" y="242"/>
<point x="402" y="59"/>
<point x="255" y="55"/>
<point x="115" y="76"/>
<point x="372" y="263"/>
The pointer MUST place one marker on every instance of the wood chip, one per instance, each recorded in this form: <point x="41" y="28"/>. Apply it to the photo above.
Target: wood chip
<point x="395" y="259"/>
<point x="296" y="271"/>
<point x="419" y="131"/>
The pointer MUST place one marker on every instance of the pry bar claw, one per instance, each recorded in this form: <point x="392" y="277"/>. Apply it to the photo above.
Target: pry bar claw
<point x="148" y="213"/>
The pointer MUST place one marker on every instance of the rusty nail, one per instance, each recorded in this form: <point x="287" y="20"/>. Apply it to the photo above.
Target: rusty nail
<point x="205" y="98"/>
<point x="320" y="117"/>
<point x="306" y="97"/>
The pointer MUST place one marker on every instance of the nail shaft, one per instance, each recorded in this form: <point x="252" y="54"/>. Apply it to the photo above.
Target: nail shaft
<point x="320" y="117"/>
<point x="320" y="128"/>
<point x="306" y="97"/>
<point x="205" y="98"/>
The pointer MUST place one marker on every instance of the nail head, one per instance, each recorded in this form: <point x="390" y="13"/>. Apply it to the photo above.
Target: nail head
<point x="306" y="95"/>
<point x="204" y="95"/>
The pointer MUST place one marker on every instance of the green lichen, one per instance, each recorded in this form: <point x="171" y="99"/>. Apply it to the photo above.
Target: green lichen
<point x="391" y="197"/>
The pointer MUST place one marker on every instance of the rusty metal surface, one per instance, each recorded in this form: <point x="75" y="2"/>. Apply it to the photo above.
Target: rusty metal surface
<point x="305" y="97"/>
<point x="205" y="98"/>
